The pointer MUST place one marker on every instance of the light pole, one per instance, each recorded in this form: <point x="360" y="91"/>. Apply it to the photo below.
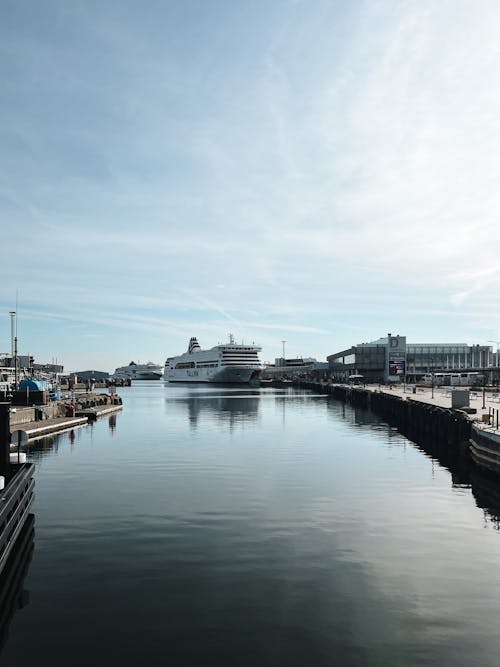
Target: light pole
<point x="13" y="335"/>
<point x="12" y="314"/>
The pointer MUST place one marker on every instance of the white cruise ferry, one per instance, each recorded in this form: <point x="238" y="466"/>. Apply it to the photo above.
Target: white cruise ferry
<point x="135" y="371"/>
<point x="225" y="363"/>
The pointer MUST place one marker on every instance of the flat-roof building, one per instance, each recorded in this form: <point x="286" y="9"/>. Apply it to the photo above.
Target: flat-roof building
<point x="392" y="359"/>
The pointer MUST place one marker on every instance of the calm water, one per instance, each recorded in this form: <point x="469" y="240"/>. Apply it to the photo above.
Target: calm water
<point x="245" y="527"/>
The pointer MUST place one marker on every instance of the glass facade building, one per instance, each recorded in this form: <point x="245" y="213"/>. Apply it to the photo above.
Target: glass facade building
<point x="373" y="360"/>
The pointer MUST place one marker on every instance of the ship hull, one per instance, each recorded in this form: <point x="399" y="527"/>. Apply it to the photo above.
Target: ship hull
<point x="232" y="375"/>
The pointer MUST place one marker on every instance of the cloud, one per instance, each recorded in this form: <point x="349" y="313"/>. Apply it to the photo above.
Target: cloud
<point x="335" y="175"/>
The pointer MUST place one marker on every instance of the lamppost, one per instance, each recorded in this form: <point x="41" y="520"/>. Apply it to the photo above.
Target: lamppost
<point x="12" y="314"/>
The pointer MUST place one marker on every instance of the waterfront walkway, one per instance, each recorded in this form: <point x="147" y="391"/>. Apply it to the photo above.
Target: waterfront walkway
<point x="441" y="397"/>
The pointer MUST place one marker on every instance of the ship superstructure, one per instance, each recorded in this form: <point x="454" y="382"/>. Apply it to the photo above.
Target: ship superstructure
<point x="133" y="371"/>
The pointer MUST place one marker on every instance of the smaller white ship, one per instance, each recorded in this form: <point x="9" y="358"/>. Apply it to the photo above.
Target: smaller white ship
<point x="133" y="371"/>
<point x="231" y="363"/>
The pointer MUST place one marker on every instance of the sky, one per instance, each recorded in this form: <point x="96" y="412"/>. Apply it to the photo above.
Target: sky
<point x="315" y="172"/>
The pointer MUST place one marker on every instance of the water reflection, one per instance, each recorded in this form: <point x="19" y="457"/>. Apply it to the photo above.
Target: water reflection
<point x="112" y="423"/>
<point x="229" y="410"/>
<point x="13" y="596"/>
<point x="49" y="444"/>
<point x="486" y="492"/>
<point x="232" y="408"/>
<point x="362" y="419"/>
<point x="323" y="542"/>
<point x="484" y="486"/>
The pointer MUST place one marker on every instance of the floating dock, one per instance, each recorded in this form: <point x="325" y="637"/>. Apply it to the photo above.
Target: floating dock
<point x="40" y="421"/>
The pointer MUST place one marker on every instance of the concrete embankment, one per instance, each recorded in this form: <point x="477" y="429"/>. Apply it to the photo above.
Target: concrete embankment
<point x="420" y="420"/>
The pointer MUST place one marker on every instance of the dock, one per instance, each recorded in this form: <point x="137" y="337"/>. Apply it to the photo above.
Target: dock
<point x="90" y="414"/>
<point x="35" y="430"/>
<point x="43" y="420"/>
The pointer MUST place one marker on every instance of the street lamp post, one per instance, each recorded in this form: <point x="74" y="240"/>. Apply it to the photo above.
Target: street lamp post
<point x="12" y="314"/>
<point x="13" y="335"/>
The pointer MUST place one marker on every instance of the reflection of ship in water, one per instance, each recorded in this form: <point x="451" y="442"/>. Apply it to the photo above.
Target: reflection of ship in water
<point x="228" y="409"/>
<point x="12" y="594"/>
<point x="236" y="408"/>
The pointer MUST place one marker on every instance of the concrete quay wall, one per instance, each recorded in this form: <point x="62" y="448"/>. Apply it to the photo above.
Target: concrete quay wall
<point x="418" y="420"/>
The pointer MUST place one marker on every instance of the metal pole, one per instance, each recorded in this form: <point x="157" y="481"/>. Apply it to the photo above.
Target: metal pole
<point x="12" y="314"/>
<point x="15" y="358"/>
<point x="484" y="397"/>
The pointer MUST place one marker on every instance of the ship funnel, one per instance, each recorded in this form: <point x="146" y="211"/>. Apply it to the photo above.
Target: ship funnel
<point x="194" y="346"/>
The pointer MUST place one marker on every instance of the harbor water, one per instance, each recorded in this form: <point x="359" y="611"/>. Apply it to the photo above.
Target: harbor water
<point x="239" y="526"/>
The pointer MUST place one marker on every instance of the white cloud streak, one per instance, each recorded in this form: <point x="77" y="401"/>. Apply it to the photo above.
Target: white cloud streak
<point x="336" y="175"/>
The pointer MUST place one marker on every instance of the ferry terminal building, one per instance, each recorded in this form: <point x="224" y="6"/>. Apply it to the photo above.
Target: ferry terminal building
<point x="392" y="359"/>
